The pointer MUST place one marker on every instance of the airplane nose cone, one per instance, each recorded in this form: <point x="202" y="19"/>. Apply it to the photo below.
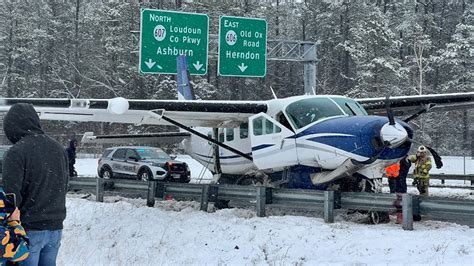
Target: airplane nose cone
<point x="394" y="135"/>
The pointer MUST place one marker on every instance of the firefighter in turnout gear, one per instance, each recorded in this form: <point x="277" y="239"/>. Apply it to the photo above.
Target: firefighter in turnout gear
<point x="422" y="168"/>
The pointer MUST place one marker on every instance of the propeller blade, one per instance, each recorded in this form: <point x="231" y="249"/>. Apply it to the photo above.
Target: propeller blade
<point x="391" y="119"/>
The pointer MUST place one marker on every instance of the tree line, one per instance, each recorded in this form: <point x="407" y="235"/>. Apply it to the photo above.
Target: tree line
<point x="89" y="49"/>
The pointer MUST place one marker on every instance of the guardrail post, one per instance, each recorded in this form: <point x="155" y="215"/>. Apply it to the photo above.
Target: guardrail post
<point x="160" y="190"/>
<point x="204" y="198"/>
<point x="329" y="206"/>
<point x="407" y="210"/>
<point x="99" y="190"/>
<point x="261" y="199"/>
<point x="150" y="198"/>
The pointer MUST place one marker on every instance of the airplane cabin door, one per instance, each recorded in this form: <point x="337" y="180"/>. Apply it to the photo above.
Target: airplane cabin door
<point x="271" y="145"/>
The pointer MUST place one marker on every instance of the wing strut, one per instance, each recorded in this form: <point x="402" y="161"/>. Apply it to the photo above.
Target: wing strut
<point x="217" y="160"/>
<point x="192" y="131"/>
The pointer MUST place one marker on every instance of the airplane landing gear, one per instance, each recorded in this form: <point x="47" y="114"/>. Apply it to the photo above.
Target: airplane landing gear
<point x="358" y="184"/>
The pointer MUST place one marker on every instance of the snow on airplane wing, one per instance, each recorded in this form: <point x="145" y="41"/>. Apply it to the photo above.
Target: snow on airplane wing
<point x="120" y="110"/>
<point x="404" y="105"/>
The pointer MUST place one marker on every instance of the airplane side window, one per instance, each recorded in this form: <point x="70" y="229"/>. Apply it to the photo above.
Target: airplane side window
<point x="229" y="134"/>
<point x="244" y="130"/>
<point x="221" y="136"/>
<point x="209" y="135"/>
<point x="268" y="126"/>
<point x="258" y="126"/>
<point x="277" y="129"/>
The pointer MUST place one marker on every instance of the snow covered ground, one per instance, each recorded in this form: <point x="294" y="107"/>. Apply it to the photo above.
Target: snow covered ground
<point x="124" y="231"/>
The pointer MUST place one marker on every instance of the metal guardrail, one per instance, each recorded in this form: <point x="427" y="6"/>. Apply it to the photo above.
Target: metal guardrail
<point x="450" y="177"/>
<point x="453" y="210"/>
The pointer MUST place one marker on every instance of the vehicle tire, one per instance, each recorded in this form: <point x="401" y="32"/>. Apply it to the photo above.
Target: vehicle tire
<point x="106" y="173"/>
<point x="145" y="174"/>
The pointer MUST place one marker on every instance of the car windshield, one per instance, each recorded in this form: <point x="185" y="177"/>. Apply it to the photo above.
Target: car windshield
<point x="152" y="154"/>
<point x="307" y="111"/>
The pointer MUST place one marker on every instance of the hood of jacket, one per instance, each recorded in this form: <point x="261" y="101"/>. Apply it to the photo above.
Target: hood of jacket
<point x="21" y="120"/>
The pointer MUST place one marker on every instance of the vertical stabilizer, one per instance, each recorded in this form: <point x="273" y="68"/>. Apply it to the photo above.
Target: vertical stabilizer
<point x="185" y="91"/>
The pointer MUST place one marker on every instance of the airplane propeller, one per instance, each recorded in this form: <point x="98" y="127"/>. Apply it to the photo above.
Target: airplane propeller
<point x="391" y="120"/>
<point x="393" y="134"/>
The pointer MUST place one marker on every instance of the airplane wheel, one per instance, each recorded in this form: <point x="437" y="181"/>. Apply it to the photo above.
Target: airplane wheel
<point x="249" y="181"/>
<point x="221" y="204"/>
<point x="378" y="217"/>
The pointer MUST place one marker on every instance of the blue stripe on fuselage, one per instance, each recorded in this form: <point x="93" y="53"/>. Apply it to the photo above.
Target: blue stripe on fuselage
<point x="354" y="134"/>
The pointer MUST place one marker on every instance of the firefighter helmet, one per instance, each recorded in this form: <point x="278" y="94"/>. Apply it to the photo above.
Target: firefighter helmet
<point x="422" y="149"/>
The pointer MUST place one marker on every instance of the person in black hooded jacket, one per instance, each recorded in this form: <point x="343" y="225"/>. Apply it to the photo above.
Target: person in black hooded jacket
<point x="35" y="168"/>
<point x="71" y="154"/>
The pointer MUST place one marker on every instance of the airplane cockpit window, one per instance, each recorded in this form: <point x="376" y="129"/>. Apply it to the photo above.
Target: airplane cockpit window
<point x="307" y="111"/>
<point x="258" y="126"/>
<point x="282" y="119"/>
<point x="350" y="106"/>
<point x="244" y="130"/>
<point x="229" y="134"/>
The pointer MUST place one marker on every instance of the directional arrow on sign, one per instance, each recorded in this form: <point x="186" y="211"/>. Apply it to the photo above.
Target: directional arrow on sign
<point x="242" y="67"/>
<point x="197" y="65"/>
<point x="150" y="63"/>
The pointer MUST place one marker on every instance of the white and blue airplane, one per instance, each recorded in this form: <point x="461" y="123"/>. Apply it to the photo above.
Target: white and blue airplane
<point x="307" y="141"/>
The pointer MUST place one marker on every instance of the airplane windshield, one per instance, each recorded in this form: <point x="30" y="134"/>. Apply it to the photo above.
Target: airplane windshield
<point x="307" y="111"/>
<point x="350" y="106"/>
<point x="152" y="154"/>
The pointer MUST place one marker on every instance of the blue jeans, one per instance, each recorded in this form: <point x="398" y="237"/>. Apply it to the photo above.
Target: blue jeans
<point x="44" y="247"/>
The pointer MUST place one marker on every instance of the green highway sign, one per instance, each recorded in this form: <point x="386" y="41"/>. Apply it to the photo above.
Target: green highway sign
<point x="242" y="47"/>
<point x="164" y="35"/>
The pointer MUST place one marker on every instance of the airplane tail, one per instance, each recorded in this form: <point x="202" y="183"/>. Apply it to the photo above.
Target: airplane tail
<point x="185" y="90"/>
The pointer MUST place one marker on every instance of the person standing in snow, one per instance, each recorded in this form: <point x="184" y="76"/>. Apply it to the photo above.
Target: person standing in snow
<point x="71" y="154"/>
<point x="392" y="172"/>
<point x="35" y="169"/>
<point x="421" y="173"/>
<point x="401" y="186"/>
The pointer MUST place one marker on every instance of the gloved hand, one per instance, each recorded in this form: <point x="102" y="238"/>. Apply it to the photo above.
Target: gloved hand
<point x="415" y="182"/>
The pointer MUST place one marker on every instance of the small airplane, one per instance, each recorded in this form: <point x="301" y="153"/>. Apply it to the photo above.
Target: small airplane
<point x="308" y="141"/>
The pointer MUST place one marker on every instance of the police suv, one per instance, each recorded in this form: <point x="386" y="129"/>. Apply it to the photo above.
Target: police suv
<point x="142" y="163"/>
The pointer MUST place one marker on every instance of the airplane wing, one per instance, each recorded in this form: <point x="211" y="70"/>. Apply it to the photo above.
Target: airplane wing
<point x="136" y="139"/>
<point x="189" y="113"/>
<point x="405" y="105"/>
